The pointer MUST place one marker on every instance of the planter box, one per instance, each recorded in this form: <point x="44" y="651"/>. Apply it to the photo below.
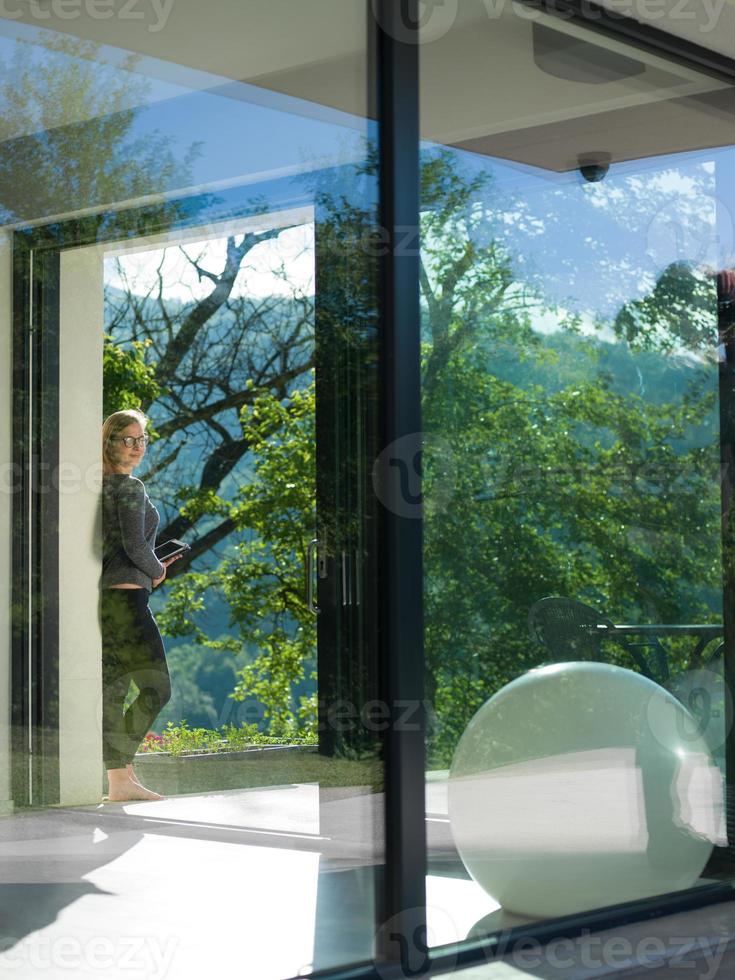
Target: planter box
<point x="262" y="765"/>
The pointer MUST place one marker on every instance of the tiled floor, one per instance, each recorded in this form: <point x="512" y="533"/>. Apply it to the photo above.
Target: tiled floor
<point x="190" y="886"/>
<point x="264" y="884"/>
<point x="269" y="882"/>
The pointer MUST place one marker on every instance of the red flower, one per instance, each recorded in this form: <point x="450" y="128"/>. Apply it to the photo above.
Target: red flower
<point x="149" y="740"/>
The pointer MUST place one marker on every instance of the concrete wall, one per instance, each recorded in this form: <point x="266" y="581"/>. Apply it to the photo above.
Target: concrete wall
<point x="80" y="542"/>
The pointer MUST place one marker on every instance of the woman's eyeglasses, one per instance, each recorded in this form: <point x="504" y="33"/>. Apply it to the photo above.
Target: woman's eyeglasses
<point x="130" y="441"/>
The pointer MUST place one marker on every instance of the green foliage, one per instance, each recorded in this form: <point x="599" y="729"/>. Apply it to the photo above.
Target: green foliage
<point x="582" y="492"/>
<point x="196" y="502"/>
<point x="679" y="312"/>
<point x="200" y="684"/>
<point x="544" y="475"/>
<point x="129" y="381"/>
<point x="180" y="739"/>
<point x="185" y="598"/>
<point x="545" y="472"/>
<point x="79" y="149"/>
<point x="263" y="579"/>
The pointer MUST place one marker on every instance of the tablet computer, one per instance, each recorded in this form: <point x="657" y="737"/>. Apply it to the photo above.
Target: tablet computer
<point x="170" y="548"/>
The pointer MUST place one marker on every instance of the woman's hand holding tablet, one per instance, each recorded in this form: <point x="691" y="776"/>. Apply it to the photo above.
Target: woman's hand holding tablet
<point x="170" y="549"/>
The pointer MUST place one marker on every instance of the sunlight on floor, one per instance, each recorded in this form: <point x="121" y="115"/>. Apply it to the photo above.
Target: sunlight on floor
<point x="454" y="905"/>
<point x="179" y="908"/>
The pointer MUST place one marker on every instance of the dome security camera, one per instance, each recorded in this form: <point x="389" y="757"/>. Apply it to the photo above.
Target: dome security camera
<point x="594" y="166"/>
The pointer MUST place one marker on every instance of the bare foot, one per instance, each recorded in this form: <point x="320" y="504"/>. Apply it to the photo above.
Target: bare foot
<point x="130" y="790"/>
<point x="131" y="772"/>
<point x="123" y="788"/>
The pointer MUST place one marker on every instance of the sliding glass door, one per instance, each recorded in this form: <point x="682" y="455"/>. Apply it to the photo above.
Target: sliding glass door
<point x="193" y="238"/>
<point x="430" y="318"/>
<point x="576" y="287"/>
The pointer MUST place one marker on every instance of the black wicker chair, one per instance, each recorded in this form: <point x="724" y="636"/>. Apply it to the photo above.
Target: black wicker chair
<point x="571" y="630"/>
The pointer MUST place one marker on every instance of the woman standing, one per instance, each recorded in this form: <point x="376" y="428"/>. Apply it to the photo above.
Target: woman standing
<point x="132" y="648"/>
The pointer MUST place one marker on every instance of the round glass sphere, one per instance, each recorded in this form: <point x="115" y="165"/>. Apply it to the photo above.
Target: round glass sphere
<point x="581" y="785"/>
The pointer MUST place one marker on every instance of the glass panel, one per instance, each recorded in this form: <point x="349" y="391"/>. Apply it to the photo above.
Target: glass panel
<point x="576" y="283"/>
<point x="179" y="190"/>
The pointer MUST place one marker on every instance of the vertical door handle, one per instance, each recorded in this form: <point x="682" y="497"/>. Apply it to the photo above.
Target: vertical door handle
<point x="346" y="597"/>
<point x="310" y="563"/>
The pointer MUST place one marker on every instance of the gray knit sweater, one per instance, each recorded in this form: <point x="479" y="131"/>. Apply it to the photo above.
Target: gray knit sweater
<point x="129" y="525"/>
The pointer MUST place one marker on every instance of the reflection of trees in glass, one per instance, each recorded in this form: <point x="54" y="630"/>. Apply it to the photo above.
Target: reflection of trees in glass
<point x="67" y="131"/>
<point x="243" y="402"/>
<point x="568" y="478"/>
<point x="678" y="314"/>
<point x="555" y="463"/>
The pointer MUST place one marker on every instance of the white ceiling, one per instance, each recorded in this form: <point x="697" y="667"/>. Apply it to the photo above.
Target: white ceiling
<point x="235" y="39"/>
<point x="480" y="86"/>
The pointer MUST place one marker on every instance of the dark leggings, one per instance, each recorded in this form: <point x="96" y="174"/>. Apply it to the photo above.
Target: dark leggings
<point x="132" y="650"/>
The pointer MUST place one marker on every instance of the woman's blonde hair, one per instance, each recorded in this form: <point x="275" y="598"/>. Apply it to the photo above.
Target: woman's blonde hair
<point x="112" y="426"/>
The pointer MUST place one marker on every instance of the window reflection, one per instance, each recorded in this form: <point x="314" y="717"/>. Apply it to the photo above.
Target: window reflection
<point x="186" y="202"/>
<point x="575" y="230"/>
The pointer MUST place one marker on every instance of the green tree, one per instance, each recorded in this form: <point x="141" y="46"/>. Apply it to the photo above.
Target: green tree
<point x="205" y="361"/>
<point x="543" y="474"/>
<point x="200" y="687"/>
<point x="67" y="126"/>
<point x="582" y="488"/>
<point x="263" y="580"/>
<point x="129" y="380"/>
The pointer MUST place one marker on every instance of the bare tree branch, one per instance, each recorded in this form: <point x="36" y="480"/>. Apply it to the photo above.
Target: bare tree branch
<point x="200" y="547"/>
<point x="207" y="307"/>
<point x="236" y="400"/>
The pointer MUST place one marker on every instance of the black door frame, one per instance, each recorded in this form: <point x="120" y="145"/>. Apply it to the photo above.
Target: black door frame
<point x="34" y="560"/>
<point x="402" y="936"/>
<point x="398" y="100"/>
